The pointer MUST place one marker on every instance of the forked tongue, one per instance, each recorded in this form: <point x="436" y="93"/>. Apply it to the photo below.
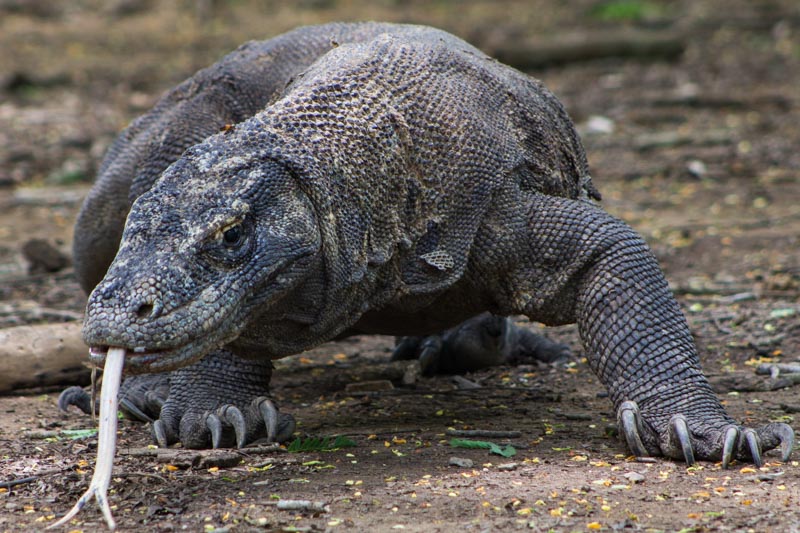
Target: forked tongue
<point x="106" y="440"/>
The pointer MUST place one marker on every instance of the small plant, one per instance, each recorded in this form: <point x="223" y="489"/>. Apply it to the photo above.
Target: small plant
<point x="506" y="451"/>
<point x="623" y="10"/>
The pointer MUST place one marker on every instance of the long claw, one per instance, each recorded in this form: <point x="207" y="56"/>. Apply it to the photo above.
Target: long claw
<point x="127" y="407"/>
<point x="286" y="426"/>
<point x="214" y="425"/>
<point x="729" y="444"/>
<point x="431" y="355"/>
<point x="753" y="445"/>
<point x="270" y="415"/>
<point x="234" y="417"/>
<point x="152" y="398"/>
<point x="629" y="420"/>
<point x="160" y="434"/>
<point x="786" y="434"/>
<point x="75" y="396"/>
<point x="679" y="431"/>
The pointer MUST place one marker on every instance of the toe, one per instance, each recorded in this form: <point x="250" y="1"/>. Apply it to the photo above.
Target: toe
<point x="131" y="410"/>
<point x="235" y="419"/>
<point x="160" y="434"/>
<point x="75" y="396"/>
<point x="680" y="438"/>
<point x="629" y="421"/>
<point x="286" y="427"/>
<point x="729" y="445"/>
<point x="214" y="426"/>
<point x="270" y="416"/>
<point x="753" y="445"/>
<point x="775" y="435"/>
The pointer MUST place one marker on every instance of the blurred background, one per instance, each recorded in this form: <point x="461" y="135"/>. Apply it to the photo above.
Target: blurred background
<point x="690" y="113"/>
<point x="688" y="109"/>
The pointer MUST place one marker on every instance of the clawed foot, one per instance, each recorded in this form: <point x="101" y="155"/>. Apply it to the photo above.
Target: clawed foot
<point x="221" y="401"/>
<point x="140" y="397"/>
<point x="724" y="443"/>
<point x="225" y="426"/>
<point x="483" y="341"/>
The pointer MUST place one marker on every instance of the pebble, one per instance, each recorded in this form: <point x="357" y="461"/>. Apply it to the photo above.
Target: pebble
<point x="697" y="168"/>
<point x="43" y="257"/>
<point x="461" y="462"/>
<point x="598" y="125"/>
<point x="634" y="477"/>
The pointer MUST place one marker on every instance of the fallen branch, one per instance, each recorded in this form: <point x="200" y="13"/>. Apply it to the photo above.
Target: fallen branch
<point x="27" y="312"/>
<point x="48" y="196"/>
<point x="579" y="47"/>
<point x="203" y="459"/>
<point x="29" y="479"/>
<point x="42" y="355"/>
<point x="484" y="433"/>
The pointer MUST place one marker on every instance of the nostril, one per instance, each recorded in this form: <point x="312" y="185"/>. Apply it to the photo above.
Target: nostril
<point x="145" y="310"/>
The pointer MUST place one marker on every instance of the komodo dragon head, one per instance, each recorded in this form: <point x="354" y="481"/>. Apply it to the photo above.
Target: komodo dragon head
<point x="218" y="236"/>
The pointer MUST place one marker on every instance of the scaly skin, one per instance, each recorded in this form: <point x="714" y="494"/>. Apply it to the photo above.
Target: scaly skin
<point x="399" y="185"/>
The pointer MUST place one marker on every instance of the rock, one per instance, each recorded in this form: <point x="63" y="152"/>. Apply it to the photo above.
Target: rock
<point x="598" y="125"/>
<point x="461" y="462"/>
<point x="464" y="384"/>
<point x="43" y="257"/>
<point x="634" y="477"/>
<point x="697" y="168"/>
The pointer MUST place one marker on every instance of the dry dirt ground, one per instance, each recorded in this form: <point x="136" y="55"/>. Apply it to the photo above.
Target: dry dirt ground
<point x="700" y="153"/>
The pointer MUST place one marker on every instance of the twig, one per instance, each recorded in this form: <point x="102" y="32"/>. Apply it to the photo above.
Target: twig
<point x="170" y="452"/>
<point x="29" y="479"/>
<point x="300" y="505"/>
<point x="776" y="369"/>
<point x="142" y="474"/>
<point x="484" y="433"/>
<point x="720" y="327"/>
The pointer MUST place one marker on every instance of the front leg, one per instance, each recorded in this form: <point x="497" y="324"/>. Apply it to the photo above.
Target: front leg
<point x="222" y="400"/>
<point x="587" y="267"/>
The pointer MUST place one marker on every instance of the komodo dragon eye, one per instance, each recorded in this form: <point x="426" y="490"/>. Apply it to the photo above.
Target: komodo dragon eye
<point x="229" y="245"/>
<point x="232" y="237"/>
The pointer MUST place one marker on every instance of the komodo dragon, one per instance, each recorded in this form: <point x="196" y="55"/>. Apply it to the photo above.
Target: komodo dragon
<point x="372" y="178"/>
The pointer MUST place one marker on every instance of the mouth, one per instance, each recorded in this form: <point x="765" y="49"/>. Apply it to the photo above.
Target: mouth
<point x="139" y="360"/>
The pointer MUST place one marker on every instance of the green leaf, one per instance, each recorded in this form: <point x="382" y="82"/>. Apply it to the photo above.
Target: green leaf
<point x="507" y="451"/>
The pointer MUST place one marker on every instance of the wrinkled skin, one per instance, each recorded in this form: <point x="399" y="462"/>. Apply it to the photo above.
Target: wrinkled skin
<point x="401" y="184"/>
